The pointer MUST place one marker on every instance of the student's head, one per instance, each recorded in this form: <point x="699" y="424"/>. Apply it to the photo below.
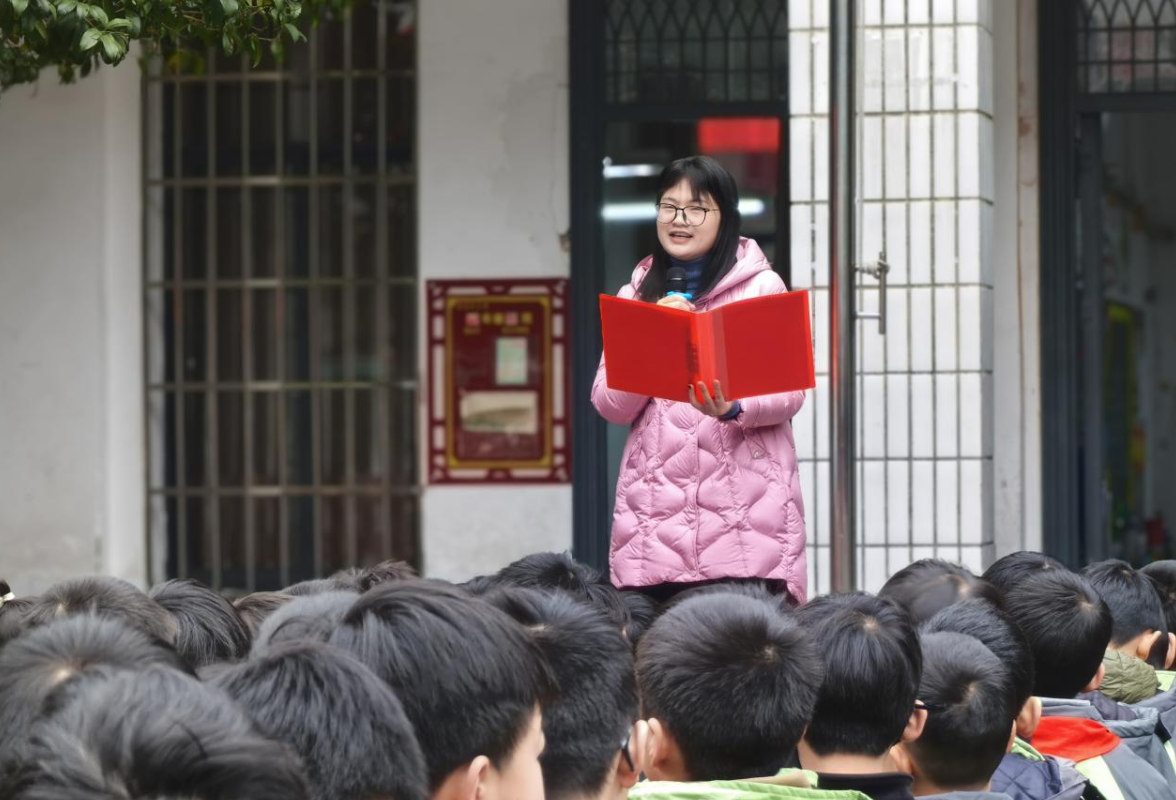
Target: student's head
<point x="1140" y="629"/>
<point x="928" y="586"/>
<point x="1068" y="626"/>
<point x="471" y="681"/>
<point x="594" y="705"/>
<point x="1004" y="639"/>
<point x="384" y="572"/>
<point x="1163" y="576"/>
<point x="153" y="734"/>
<point x="872" y="670"/>
<point x="346" y="724"/>
<point x="756" y="590"/>
<point x="104" y="597"/>
<point x="310" y="618"/>
<point x="253" y="609"/>
<point x="37" y="663"/>
<point x="561" y="572"/>
<point x="641" y="611"/>
<point x="12" y="617"/>
<point x="209" y="629"/>
<point x="970" y="723"/>
<point x="709" y="226"/>
<point x="1006" y="571"/>
<point x="340" y="582"/>
<point x="728" y="684"/>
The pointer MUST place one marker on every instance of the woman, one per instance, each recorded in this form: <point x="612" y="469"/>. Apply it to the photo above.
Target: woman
<point x="708" y="489"/>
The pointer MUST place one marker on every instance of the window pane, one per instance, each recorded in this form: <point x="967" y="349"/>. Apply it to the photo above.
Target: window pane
<point x="301" y="533"/>
<point x="229" y="104"/>
<point x="263" y="149"/>
<point x="402" y="259"/>
<point x="365" y="132"/>
<point x="194" y="234"/>
<point x="264" y="324"/>
<point x="230" y="437"/>
<point x="402" y="326"/>
<point x="193" y="129"/>
<point x="232" y="542"/>
<point x="198" y="552"/>
<point x="331" y="223"/>
<point x="373" y="545"/>
<point x="333" y="459"/>
<point x="369" y="451"/>
<point x="401" y="124"/>
<point x="368" y="366"/>
<point x="297" y="320"/>
<point x="402" y="449"/>
<point x="365" y="32"/>
<point x="299" y="439"/>
<point x="229" y="342"/>
<point x="267" y="542"/>
<point x="401" y="41"/>
<point x="363" y="215"/>
<point x="296" y="260"/>
<point x="330" y="127"/>
<point x="192" y="438"/>
<point x="228" y="233"/>
<point x="334" y="536"/>
<point x="297" y="130"/>
<point x="194" y="324"/>
<point x="266" y="434"/>
<point x="263" y="225"/>
<point x="331" y="331"/>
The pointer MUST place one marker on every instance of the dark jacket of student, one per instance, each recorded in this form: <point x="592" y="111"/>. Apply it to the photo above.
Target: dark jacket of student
<point x="1025" y="774"/>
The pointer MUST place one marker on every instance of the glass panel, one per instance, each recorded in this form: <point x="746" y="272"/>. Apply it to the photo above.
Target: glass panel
<point x="331" y="311"/>
<point x="193" y="325"/>
<point x="331" y="221"/>
<point x="297" y="130"/>
<point x="367" y="353"/>
<point x="402" y="253"/>
<point x="193" y="129"/>
<point x="334" y="535"/>
<point x="405" y="524"/>
<point x="299" y="439"/>
<point x="402" y="444"/>
<point x="301" y="538"/>
<point x="296" y="262"/>
<point x="365" y="32"/>
<point x="194" y="234"/>
<point x="333" y="459"/>
<point x="229" y="155"/>
<point x="297" y="334"/>
<point x="228" y="233"/>
<point x="365" y="123"/>
<point x="330" y="127"/>
<point x="402" y="326"/>
<point x="365" y="222"/>
<point x="263" y="144"/>
<point x="369" y="525"/>
<point x="369" y="459"/>
<point x="230" y="434"/>
<point x="199" y="550"/>
<point x="330" y="38"/>
<point x="401" y="124"/>
<point x="167" y="119"/>
<point x="193" y="439"/>
<point x="266" y="435"/>
<point x="232" y="542"/>
<point x="264" y="324"/>
<point x="401" y="40"/>
<point x="263" y="226"/>
<point x="267" y="542"/>
<point x="230" y="365"/>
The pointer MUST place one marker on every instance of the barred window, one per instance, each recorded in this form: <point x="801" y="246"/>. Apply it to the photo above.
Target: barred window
<point x="1126" y="46"/>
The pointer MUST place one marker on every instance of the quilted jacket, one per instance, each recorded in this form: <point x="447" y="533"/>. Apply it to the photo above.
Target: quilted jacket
<point x="699" y="498"/>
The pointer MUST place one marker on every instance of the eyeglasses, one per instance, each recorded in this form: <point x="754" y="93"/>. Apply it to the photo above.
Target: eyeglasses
<point x="667" y="213"/>
<point x="930" y="708"/>
<point x="625" y="750"/>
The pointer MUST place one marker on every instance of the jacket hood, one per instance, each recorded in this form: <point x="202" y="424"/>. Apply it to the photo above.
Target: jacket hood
<point x="1128" y="679"/>
<point x="749" y="262"/>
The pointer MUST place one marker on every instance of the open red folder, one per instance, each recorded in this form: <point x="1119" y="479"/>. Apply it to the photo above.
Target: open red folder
<point x="754" y="347"/>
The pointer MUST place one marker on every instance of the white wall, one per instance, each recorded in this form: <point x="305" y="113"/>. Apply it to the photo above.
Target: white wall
<point x="71" y="464"/>
<point x="493" y="201"/>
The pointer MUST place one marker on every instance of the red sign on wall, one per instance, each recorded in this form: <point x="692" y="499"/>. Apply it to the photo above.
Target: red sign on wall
<point x="498" y="382"/>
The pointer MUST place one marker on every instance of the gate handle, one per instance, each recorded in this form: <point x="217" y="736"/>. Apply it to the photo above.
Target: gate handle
<point x="878" y="270"/>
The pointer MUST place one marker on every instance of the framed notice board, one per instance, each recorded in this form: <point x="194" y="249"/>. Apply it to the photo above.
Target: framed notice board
<point x="498" y="382"/>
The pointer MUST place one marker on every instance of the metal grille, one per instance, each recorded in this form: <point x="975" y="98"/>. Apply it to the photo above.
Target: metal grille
<point x="924" y="458"/>
<point x="658" y="51"/>
<point x="1126" y="46"/>
<point x="280" y="307"/>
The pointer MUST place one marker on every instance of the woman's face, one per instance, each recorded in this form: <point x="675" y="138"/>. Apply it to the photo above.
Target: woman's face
<point x="680" y="239"/>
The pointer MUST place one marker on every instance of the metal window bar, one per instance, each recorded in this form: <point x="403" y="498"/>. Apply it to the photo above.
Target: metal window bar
<point x="236" y="509"/>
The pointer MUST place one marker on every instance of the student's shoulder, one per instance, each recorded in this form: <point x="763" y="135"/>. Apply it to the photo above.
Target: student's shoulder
<point x="791" y="784"/>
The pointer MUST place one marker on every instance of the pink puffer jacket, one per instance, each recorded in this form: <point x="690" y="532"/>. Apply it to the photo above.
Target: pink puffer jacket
<point x="702" y="499"/>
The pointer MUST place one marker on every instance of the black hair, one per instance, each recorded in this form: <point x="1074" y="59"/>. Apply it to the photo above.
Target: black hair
<point x="642" y="611"/>
<point x="310" y="618"/>
<point x="1135" y="604"/>
<point x="384" y="572"/>
<point x="469" y="676"/>
<point x="1007" y="571"/>
<point x="872" y="670"/>
<point x="12" y="617"/>
<point x="209" y="628"/>
<point x="970" y="723"/>
<point x="1068" y="626"/>
<point x="734" y="682"/>
<point x="345" y="581"/>
<point x="254" y="609"/>
<point x="1163" y="577"/>
<point x="562" y="572"/>
<point x="345" y="723"/>
<point x="152" y="734"/>
<point x="706" y="177"/>
<point x="480" y="585"/>
<point x="594" y="703"/>
<point x="930" y="585"/>
<point x="34" y="665"/>
<point x="995" y="630"/>
<point x="105" y="597"/>
<point x="755" y="589"/>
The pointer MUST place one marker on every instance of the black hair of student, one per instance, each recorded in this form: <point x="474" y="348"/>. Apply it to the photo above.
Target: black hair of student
<point x="254" y="609"/>
<point x="642" y="611"/>
<point x="385" y="572"/>
<point x="594" y="703"/>
<point x="469" y="676"/>
<point x="559" y="571"/>
<point x="734" y="682"/>
<point x="706" y="177"/>
<point x="1134" y="602"/>
<point x="1006" y="571"/>
<point x="1163" y="577"/>
<point x="480" y="585"/>
<point x="755" y="589"/>
<point x="105" y="597"/>
<point x="344" y="581"/>
<point x="1068" y="626"/>
<point x="872" y="670"/>
<point x="12" y="617"/>
<point x="348" y="726"/>
<point x="994" y="629"/>
<point x="34" y="665"/>
<point x="152" y="734"/>
<point x="209" y="629"/>
<point x="968" y="732"/>
<point x="930" y="585"/>
<point x="310" y="618"/>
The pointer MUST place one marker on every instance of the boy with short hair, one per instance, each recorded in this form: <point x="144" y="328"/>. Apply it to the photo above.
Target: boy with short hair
<point x="971" y="720"/>
<point x="347" y="725"/>
<point x="209" y="630"/>
<point x="104" y="597"/>
<point x="1069" y="627"/>
<point x="930" y="585"/>
<point x="867" y="703"/>
<point x="1140" y="631"/>
<point x="590" y="723"/>
<point x="471" y="681"/>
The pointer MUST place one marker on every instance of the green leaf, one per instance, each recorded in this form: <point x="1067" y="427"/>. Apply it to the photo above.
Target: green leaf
<point x="89" y="39"/>
<point x="66" y="7"/>
<point x="99" y="15"/>
<point x="119" y="25"/>
<point x="111" y="47"/>
<point x="19" y="6"/>
<point x="295" y="34"/>
<point x="227" y="43"/>
<point x="136" y="25"/>
<point x="230" y="7"/>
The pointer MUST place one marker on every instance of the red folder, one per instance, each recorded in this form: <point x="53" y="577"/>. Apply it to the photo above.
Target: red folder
<point x="753" y="347"/>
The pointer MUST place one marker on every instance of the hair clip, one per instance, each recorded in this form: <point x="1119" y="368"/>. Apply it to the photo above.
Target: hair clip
<point x="6" y="594"/>
<point x="930" y="708"/>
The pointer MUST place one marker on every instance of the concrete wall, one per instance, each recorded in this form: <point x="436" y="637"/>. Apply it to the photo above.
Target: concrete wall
<point x="493" y="116"/>
<point x="71" y="469"/>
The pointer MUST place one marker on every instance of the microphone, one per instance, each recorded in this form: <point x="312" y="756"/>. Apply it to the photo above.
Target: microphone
<point x="676" y="283"/>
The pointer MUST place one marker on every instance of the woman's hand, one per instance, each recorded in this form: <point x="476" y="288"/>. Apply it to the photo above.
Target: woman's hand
<point x="675" y="301"/>
<point x="712" y="405"/>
